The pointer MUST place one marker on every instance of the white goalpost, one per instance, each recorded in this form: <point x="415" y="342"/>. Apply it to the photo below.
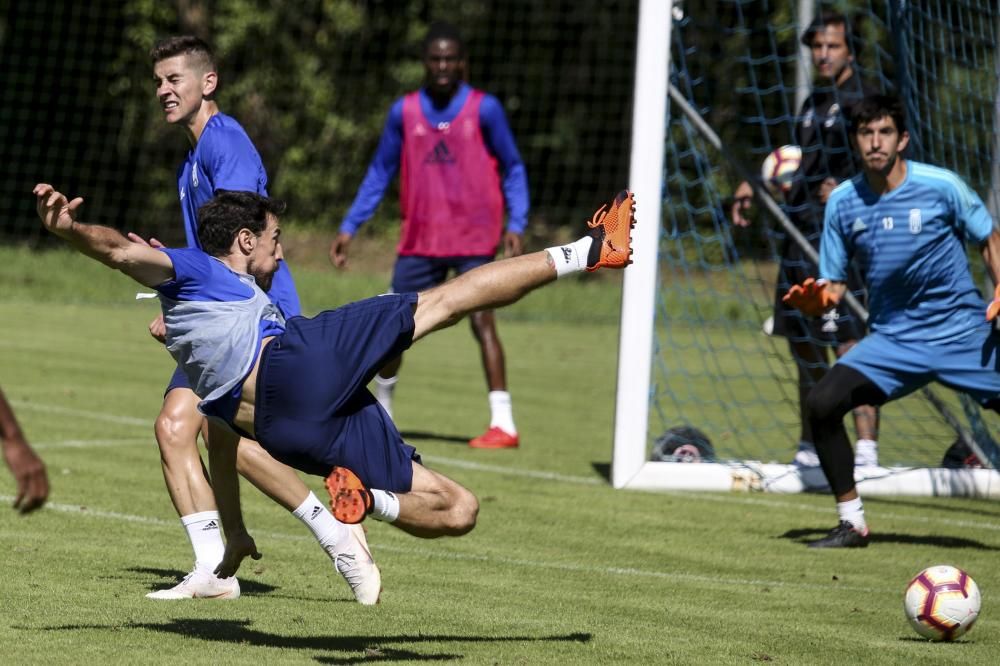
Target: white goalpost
<point x="631" y="467"/>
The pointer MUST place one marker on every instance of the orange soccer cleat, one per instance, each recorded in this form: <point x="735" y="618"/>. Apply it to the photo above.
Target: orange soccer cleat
<point x="612" y="233"/>
<point x="350" y="501"/>
<point x="495" y="438"/>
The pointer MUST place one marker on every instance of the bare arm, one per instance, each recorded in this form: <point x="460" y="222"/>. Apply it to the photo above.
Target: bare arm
<point x="143" y="264"/>
<point x="991" y="255"/>
<point x="24" y="463"/>
<point x="226" y="485"/>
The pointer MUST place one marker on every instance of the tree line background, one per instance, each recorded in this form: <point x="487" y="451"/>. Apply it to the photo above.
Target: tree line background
<point x="312" y="81"/>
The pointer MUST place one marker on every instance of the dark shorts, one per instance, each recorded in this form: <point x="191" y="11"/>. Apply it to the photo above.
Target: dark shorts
<point x="177" y="380"/>
<point x="837" y="326"/>
<point x="420" y="273"/>
<point x="314" y="410"/>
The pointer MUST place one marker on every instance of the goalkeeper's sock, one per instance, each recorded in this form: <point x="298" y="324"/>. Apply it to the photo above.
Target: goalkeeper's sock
<point x="314" y="515"/>
<point x="571" y="258"/>
<point x="203" y="529"/>
<point x="853" y="512"/>
<point x="385" y="506"/>
<point x="501" y="412"/>
<point x="384" y="388"/>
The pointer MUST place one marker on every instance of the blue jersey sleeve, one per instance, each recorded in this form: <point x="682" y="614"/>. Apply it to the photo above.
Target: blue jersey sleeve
<point x="380" y="172"/>
<point x="232" y="162"/>
<point x="190" y="269"/>
<point x="833" y="255"/>
<point x="199" y="277"/>
<point x="500" y="141"/>
<point x="970" y="212"/>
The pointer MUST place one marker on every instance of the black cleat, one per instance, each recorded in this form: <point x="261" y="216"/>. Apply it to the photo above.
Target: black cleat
<point x="844" y="535"/>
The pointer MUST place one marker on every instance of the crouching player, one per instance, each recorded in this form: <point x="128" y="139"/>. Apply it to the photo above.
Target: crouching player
<point x="298" y="387"/>
<point x="906" y="224"/>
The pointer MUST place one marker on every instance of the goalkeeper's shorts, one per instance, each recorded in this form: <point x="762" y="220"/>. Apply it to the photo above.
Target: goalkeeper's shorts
<point x="970" y="364"/>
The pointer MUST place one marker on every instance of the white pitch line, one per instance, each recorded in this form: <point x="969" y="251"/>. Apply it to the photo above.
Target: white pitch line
<point x="699" y="579"/>
<point x="82" y="413"/>
<point x="90" y="443"/>
<point x="754" y="500"/>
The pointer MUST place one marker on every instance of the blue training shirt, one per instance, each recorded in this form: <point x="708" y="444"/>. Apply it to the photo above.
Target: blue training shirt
<point x="225" y="159"/>
<point x="910" y="247"/>
<point x="499" y="141"/>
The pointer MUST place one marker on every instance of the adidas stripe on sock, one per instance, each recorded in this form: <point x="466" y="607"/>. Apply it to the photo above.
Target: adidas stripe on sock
<point x="203" y="530"/>
<point x="570" y="258"/>
<point x="314" y="515"/>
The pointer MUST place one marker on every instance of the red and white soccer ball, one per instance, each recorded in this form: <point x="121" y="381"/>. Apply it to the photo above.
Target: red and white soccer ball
<point x="780" y="166"/>
<point x="942" y="603"/>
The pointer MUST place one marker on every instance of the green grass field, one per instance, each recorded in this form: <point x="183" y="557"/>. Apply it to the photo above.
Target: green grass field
<point x="561" y="568"/>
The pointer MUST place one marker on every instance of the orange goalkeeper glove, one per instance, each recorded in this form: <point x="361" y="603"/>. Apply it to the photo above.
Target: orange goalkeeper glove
<point x="993" y="309"/>
<point x="812" y="297"/>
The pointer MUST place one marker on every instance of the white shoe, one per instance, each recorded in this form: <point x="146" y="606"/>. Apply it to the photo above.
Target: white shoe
<point x="866" y="453"/>
<point x="355" y="563"/>
<point x="200" y="584"/>
<point x="806" y="455"/>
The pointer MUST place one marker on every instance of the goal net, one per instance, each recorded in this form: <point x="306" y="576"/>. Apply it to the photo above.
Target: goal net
<point x="729" y="77"/>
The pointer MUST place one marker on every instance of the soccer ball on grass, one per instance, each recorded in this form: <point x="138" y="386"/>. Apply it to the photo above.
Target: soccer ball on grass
<point x="779" y="168"/>
<point x="942" y="602"/>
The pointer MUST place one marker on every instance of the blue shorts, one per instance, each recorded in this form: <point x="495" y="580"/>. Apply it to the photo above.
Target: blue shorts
<point x="177" y="380"/>
<point x="969" y="364"/>
<point x="420" y="273"/>
<point x="314" y="410"/>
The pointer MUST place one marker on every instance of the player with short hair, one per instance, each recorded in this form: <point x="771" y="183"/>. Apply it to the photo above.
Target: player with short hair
<point x="458" y="163"/>
<point x="905" y="223"/>
<point x="821" y="131"/>
<point x="27" y="468"/>
<point x="298" y="386"/>
<point x="223" y="157"/>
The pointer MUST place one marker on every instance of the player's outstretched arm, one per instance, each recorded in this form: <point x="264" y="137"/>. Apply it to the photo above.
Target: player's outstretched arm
<point x="143" y="264"/>
<point x="226" y="485"/>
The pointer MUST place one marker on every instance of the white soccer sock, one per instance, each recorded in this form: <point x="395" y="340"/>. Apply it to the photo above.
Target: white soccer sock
<point x="501" y="412"/>
<point x="866" y="452"/>
<point x="384" y="388"/>
<point x="206" y="538"/>
<point x="314" y="515"/>
<point x="385" y="506"/>
<point x="853" y="512"/>
<point x="570" y="258"/>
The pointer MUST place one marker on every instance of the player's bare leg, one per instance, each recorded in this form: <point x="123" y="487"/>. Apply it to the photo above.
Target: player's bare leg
<point x="177" y="429"/>
<point x="494" y="285"/>
<point x="502" y="433"/>
<point x="345" y="545"/>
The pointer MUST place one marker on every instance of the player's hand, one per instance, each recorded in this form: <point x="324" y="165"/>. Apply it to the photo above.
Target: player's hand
<point x="825" y="188"/>
<point x="158" y="329"/>
<point x="29" y="473"/>
<point x="152" y="242"/>
<point x="811" y="297"/>
<point x="238" y="546"/>
<point x="513" y="245"/>
<point x="338" y="249"/>
<point x="993" y="309"/>
<point x="56" y="212"/>
<point x="742" y="201"/>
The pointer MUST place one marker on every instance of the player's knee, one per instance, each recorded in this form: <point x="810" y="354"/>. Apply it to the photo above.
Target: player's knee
<point x="823" y="402"/>
<point x="176" y="430"/>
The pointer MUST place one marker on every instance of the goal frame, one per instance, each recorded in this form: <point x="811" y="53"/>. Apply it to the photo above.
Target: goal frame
<point x="630" y="468"/>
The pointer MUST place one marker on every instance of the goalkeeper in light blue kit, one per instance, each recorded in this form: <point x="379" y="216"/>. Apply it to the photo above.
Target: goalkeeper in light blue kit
<point x="905" y="224"/>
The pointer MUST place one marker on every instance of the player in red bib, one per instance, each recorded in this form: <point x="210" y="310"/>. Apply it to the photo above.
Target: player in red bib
<point x="458" y="164"/>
